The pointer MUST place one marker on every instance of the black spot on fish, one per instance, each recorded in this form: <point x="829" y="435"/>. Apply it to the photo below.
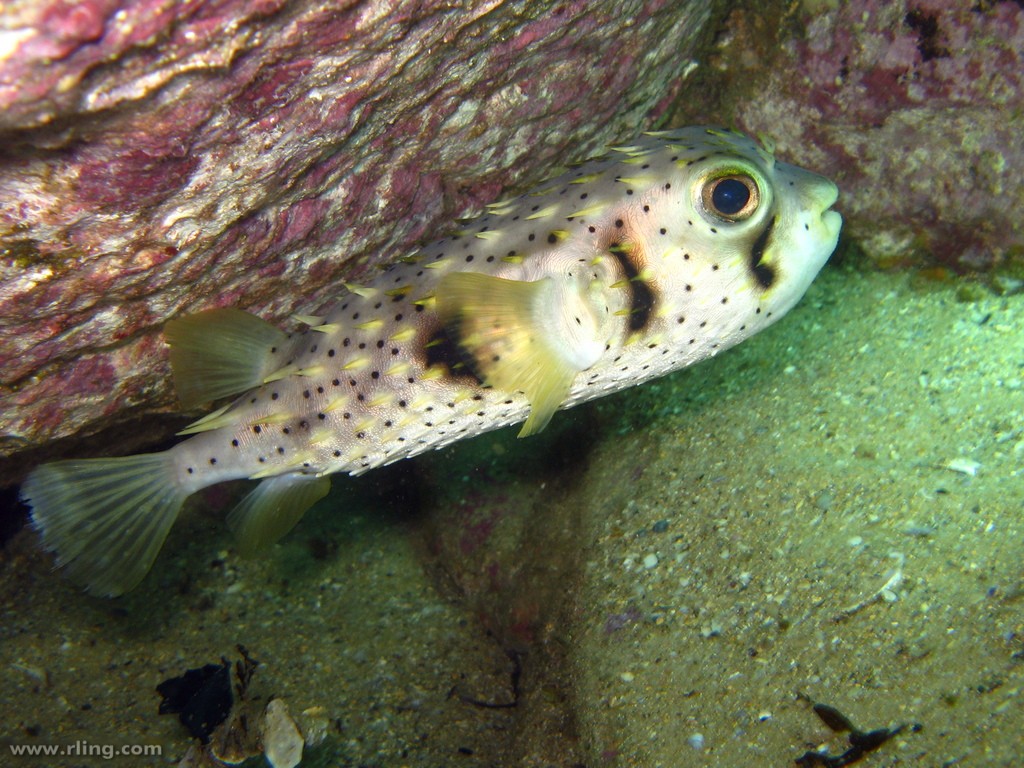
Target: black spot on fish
<point x="641" y="297"/>
<point x="763" y="273"/>
<point x="441" y="347"/>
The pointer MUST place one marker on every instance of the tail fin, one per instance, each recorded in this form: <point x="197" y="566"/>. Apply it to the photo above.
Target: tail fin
<point x="105" y="518"/>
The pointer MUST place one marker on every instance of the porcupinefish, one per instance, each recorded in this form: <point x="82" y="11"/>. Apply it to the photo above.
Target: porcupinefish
<point x="640" y="262"/>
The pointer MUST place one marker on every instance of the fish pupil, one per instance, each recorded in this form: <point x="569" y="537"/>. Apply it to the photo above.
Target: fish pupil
<point x="730" y="196"/>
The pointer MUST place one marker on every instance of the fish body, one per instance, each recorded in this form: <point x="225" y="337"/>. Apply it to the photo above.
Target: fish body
<point x="648" y="259"/>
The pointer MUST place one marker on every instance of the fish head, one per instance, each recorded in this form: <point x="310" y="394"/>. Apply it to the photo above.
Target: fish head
<point x="758" y="231"/>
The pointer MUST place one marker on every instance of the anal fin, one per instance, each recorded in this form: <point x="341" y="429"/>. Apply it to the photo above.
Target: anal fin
<point x="531" y="337"/>
<point x="273" y="507"/>
<point x="220" y="352"/>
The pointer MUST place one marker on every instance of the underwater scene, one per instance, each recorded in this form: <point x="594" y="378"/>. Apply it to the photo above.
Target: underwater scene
<point x="511" y="384"/>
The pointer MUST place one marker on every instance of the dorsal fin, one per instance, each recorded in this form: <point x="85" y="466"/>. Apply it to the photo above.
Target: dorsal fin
<point x="220" y="352"/>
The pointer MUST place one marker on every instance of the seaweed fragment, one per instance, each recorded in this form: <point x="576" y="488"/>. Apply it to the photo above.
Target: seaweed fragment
<point x="202" y="698"/>
<point x="861" y="742"/>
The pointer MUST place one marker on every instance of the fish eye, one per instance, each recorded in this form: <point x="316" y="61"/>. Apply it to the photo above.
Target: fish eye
<point x="732" y="198"/>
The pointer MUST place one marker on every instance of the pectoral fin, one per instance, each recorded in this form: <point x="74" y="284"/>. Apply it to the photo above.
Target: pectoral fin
<point x="530" y="337"/>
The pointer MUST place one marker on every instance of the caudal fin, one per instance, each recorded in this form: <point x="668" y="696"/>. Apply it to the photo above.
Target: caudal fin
<point x="105" y="518"/>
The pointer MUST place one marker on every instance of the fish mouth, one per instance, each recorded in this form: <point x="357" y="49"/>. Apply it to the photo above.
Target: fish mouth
<point x="831" y="220"/>
<point x="829" y="195"/>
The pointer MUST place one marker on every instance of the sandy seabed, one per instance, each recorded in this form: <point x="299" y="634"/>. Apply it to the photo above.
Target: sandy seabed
<point x="832" y="513"/>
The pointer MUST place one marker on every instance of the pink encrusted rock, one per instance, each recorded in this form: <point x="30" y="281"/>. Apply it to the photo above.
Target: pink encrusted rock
<point x="161" y="157"/>
<point x="913" y="108"/>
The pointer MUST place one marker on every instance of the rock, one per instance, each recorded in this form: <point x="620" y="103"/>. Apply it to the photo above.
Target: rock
<point x="907" y="106"/>
<point x="282" y="742"/>
<point x="162" y="158"/>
